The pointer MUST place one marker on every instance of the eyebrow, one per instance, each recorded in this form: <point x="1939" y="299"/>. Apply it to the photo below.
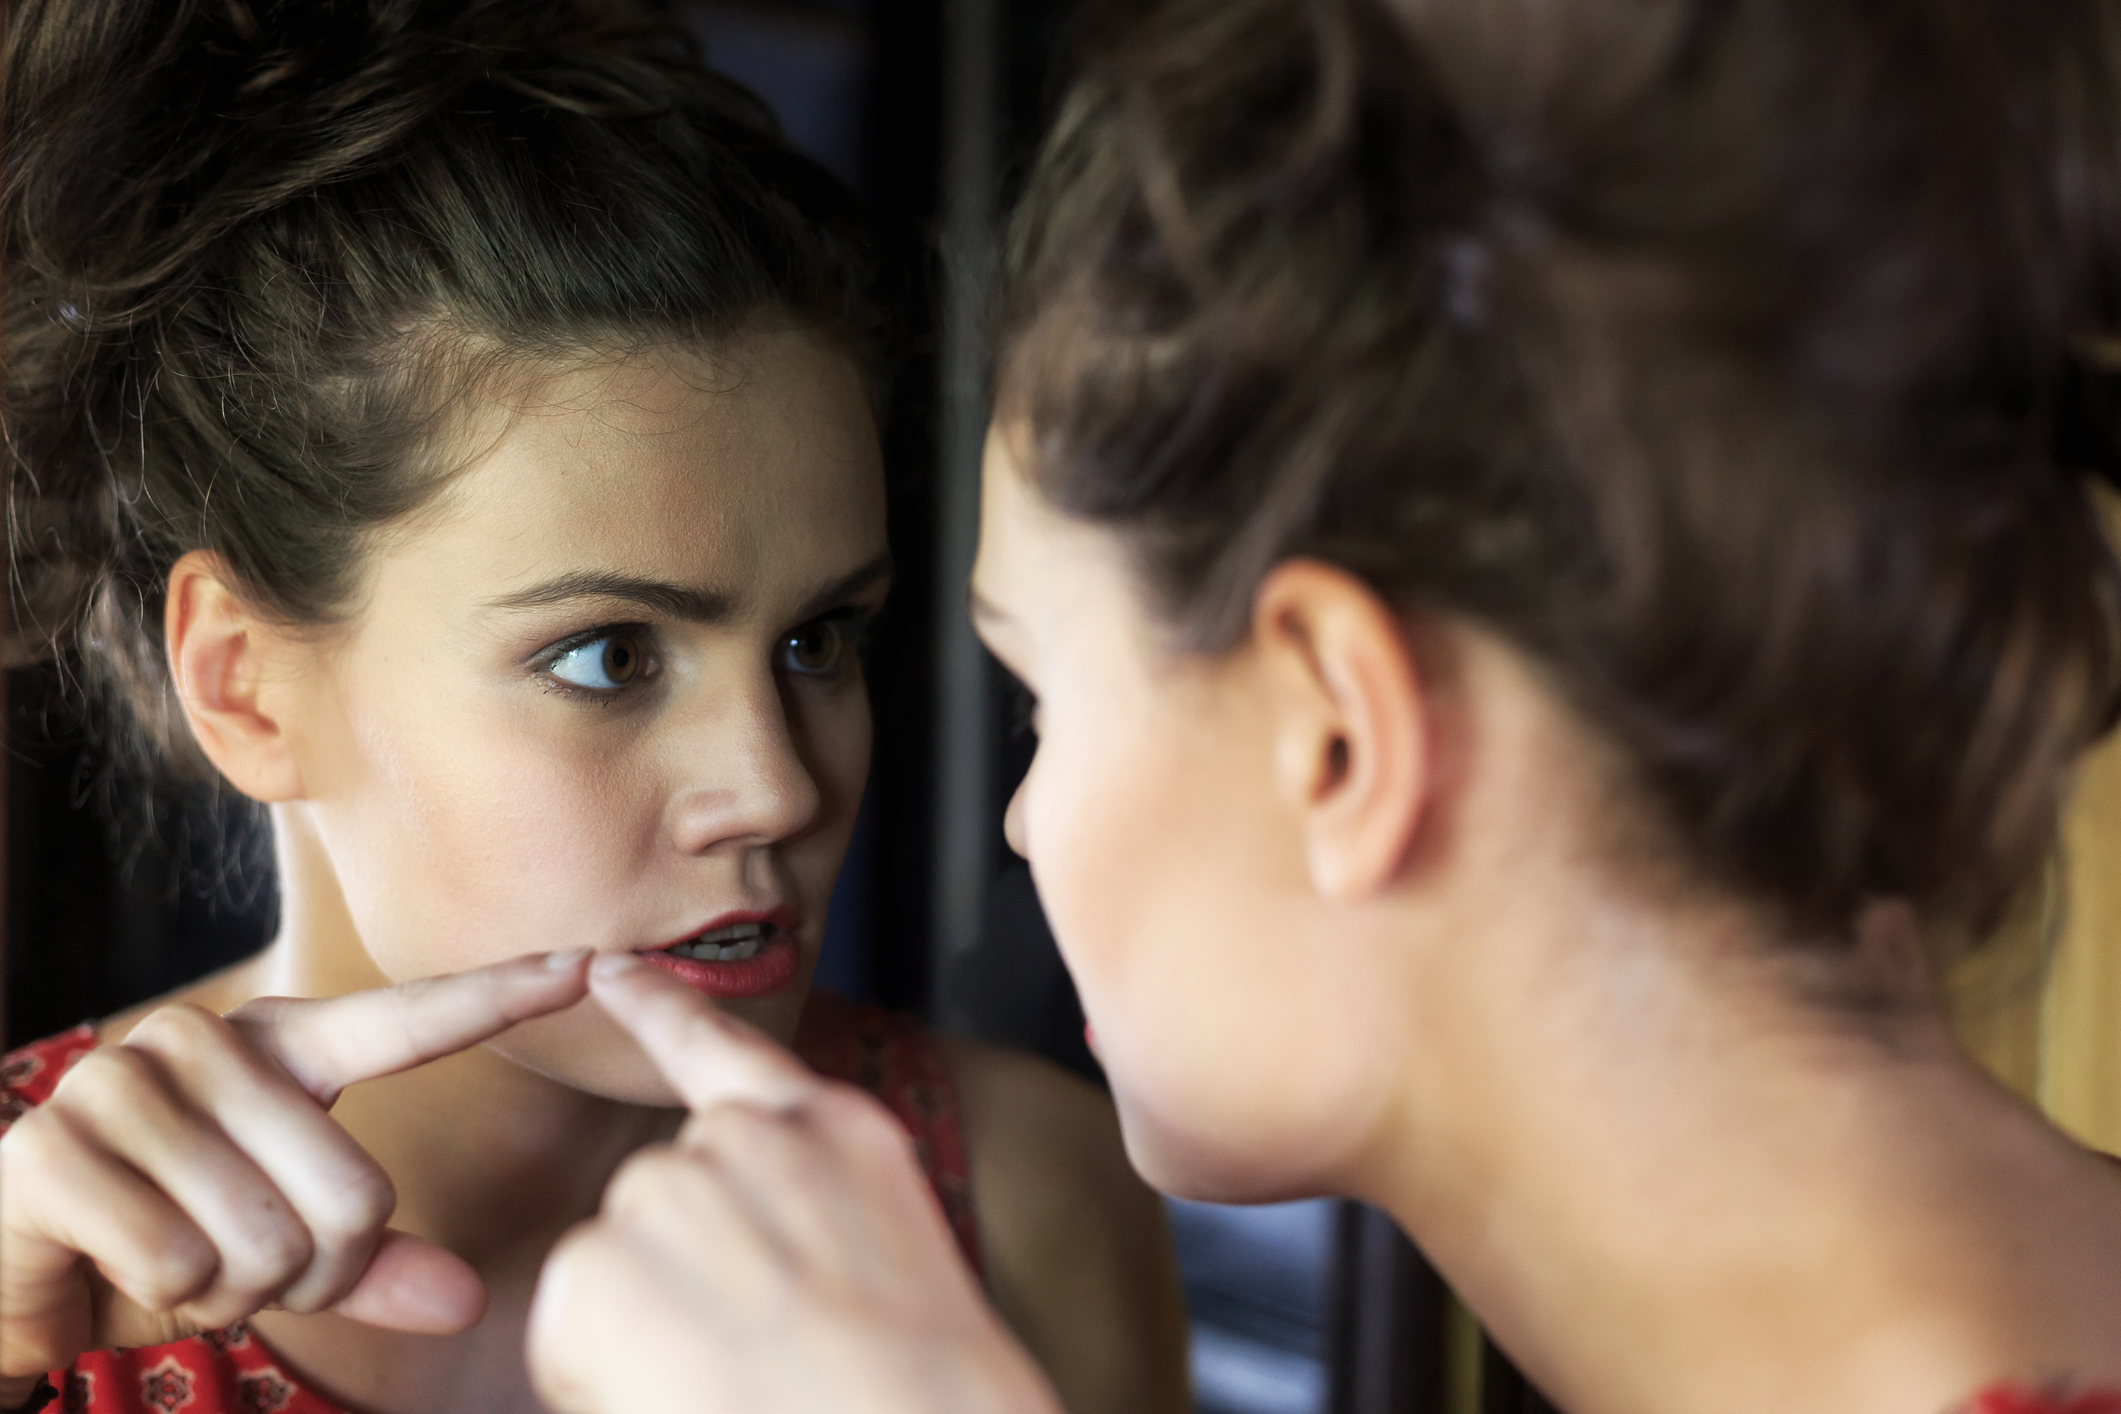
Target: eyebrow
<point x="686" y="603"/>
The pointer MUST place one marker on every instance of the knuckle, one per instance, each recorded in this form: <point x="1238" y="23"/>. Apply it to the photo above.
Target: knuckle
<point x="858" y="1118"/>
<point x="272" y="1254"/>
<point x="655" y="1179"/>
<point x="108" y="1076"/>
<point x="735" y="1125"/>
<point x="177" y="1029"/>
<point x="258" y="1011"/>
<point x="597" y="1268"/>
<point x="170" y="1270"/>
<point x="33" y="1147"/>
<point x="357" y="1204"/>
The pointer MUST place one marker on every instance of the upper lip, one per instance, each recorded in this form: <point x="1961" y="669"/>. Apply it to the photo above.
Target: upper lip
<point x="783" y="919"/>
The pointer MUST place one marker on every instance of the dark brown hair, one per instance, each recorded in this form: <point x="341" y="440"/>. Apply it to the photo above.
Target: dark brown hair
<point x="1739" y="360"/>
<point x="255" y="250"/>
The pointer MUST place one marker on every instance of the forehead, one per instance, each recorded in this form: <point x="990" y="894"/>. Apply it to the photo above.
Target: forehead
<point x="1044" y="575"/>
<point x="756" y="457"/>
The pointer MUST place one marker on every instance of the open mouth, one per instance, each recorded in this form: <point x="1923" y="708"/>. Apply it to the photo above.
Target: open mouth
<point x="739" y="942"/>
<point x="742" y="957"/>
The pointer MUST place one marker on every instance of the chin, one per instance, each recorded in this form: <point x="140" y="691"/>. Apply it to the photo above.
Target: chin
<point x="1185" y="1162"/>
<point x="584" y="1050"/>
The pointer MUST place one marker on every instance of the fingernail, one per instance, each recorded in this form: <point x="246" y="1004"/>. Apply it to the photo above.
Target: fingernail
<point x="612" y="965"/>
<point x="563" y="961"/>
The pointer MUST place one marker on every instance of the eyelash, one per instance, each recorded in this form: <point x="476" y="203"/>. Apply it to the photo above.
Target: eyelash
<point x="853" y="623"/>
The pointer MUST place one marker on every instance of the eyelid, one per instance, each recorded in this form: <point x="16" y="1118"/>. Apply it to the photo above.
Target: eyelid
<point x="854" y="620"/>
<point x="560" y="647"/>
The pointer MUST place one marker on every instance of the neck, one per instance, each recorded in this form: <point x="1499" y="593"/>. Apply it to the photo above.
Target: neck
<point x="1667" y="1181"/>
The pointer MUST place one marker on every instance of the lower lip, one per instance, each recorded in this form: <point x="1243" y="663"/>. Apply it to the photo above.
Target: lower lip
<point x="767" y="971"/>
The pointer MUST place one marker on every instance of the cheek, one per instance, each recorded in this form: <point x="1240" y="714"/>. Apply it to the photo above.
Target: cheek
<point x="463" y="837"/>
<point x="1236" y="1035"/>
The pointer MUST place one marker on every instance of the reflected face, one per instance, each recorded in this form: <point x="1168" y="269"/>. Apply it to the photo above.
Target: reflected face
<point x="1240" y="1029"/>
<point x="607" y="692"/>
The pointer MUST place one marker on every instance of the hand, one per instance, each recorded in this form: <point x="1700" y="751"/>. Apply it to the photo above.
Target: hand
<point x="785" y="1253"/>
<point x="192" y="1175"/>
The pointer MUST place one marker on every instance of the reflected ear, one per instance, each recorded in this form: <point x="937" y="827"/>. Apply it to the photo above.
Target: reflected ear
<point x="1350" y="729"/>
<point x="221" y="660"/>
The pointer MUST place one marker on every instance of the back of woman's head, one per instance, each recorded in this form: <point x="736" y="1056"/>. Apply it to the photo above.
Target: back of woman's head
<point x="1739" y="360"/>
<point x="256" y="251"/>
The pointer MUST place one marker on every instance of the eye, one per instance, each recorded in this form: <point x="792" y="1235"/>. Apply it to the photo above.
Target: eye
<point x="821" y="647"/>
<point x="605" y="663"/>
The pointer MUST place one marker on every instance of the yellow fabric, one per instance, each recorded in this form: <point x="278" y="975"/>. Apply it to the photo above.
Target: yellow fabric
<point x="2080" y="1022"/>
<point x="2054" y="1033"/>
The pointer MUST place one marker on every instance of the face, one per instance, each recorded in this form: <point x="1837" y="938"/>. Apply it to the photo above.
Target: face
<point x="1241" y="1024"/>
<point x="607" y="692"/>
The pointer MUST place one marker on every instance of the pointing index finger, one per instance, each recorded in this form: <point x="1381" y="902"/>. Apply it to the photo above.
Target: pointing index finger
<point x="708" y="1057"/>
<point x="331" y="1043"/>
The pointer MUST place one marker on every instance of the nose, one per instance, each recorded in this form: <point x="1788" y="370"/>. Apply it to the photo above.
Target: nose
<point x="744" y="782"/>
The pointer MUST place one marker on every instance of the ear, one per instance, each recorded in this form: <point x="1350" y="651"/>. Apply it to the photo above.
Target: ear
<point x="222" y="659"/>
<point x="1350" y="735"/>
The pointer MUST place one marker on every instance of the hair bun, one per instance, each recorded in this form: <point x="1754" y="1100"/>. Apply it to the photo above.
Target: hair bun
<point x="143" y="131"/>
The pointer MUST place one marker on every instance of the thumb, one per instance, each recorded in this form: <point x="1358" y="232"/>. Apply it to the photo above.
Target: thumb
<point x="412" y="1285"/>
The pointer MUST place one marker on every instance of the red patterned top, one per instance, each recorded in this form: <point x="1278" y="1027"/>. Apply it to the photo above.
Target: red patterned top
<point x="893" y="1057"/>
<point x="2010" y="1399"/>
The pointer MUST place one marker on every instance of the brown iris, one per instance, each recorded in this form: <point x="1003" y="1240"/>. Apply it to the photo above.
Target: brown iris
<point x="815" y="647"/>
<point x="622" y="658"/>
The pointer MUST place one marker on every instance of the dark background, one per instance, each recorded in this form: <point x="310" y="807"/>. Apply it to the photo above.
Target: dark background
<point x="930" y="109"/>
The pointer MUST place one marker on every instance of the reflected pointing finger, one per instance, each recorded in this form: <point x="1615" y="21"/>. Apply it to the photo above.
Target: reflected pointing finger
<point x="708" y="1057"/>
<point x="329" y="1044"/>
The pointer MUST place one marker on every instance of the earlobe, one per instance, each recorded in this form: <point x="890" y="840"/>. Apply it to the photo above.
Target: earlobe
<point x="220" y="656"/>
<point x="1351" y="728"/>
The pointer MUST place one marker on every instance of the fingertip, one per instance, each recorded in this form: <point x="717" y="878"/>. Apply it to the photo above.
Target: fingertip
<point x="612" y="966"/>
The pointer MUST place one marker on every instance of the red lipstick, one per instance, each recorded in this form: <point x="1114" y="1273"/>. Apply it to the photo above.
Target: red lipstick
<point x="758" y="954"/>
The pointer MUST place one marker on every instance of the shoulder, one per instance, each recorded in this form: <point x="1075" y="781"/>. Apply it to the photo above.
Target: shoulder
<point x="1078" y="1258"/>
<point x="1048" y="1164"/>
<point x="1027" y="1112"/>
<point x="218" y="992"/>
<point x="29" y="1075"/>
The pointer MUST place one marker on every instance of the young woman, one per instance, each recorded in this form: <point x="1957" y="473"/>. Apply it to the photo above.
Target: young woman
<point x="450" y="426"/>
<point x="1552" y="546"/>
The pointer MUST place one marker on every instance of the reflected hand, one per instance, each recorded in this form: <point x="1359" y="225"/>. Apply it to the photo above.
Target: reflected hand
<point x="785" y="1253"/>
<point x="192" y="1175"/>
